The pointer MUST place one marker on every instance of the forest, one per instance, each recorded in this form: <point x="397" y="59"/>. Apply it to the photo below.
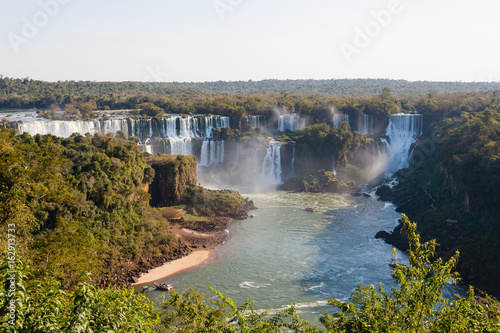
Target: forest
<point x="83" y="208"/>
<point x="456" y="176"/>
<point x="81" y="205"/>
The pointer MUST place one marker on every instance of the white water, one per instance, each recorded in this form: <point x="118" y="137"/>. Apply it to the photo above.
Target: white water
<point x="288" y="122"/>
<point x="172" y="126"/>
<point x="365" y="124"/>
<point x="338" y="118"/>
<point x="292" y="163"/>
<point x="176" y="131"/>
<point x="212" y="152"/>
<point x="402" y="131"/>
<point x="334" y="166"/>
<point x="271" y="167"/>
<point x="257" y="121"/>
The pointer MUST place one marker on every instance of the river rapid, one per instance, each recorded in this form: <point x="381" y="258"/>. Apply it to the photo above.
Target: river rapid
<point x="286" y="255"/>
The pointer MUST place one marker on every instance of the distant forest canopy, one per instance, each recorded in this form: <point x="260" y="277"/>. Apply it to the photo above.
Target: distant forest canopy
<point x="379" y="97"/>
<point x="311" y="86"/>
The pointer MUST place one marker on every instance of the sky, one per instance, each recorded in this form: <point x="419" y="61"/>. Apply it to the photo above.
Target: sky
<point x="240" y="40"/>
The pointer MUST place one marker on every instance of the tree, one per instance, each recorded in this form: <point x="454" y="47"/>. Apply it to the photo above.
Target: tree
<point x="418" y="304"/>
<point x="151" y="110"/>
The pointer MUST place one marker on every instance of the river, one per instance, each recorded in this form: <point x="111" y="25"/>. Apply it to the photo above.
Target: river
<point x="286" y="255"/>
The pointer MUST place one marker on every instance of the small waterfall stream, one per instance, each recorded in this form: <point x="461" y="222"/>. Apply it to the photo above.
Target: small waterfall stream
<point x="292" y="163"/>
<point x="402" y="131"/>
<point x="271" y="167"/>
<point x="365" y="124"/>
<point x="288" y="122"/>
<point x="338" y="118"/>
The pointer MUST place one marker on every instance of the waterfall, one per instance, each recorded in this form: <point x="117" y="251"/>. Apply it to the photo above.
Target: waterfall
<point x="292" y="163"/>
<point x="171" y="126"/>
<point x="334" y="168"/>
<point x="174" y="131"/>
<point x="62" y="129"/>
<point x="365" y="124"/>
<point x="339" y="118"/>
<point x="237" y="153"/>
<point x="168" y="127"/>
<point x="402" y="131"/>
<point x="212" y="152"/>
<point x="256" y="121"/>
<point x="179" y="146"/>
<point x="271" y="167"/>
<point x="288" y="122"/>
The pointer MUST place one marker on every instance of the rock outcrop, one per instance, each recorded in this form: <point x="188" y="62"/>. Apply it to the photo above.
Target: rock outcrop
<point x="174" y="176"/>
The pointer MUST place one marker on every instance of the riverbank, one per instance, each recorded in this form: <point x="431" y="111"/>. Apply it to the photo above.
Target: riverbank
<point x="442" y="220"/>
<point x="194" y="259"/>
<point x="196" y="240"/>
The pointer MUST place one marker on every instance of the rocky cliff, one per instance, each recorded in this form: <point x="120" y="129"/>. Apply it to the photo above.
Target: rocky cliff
<point x="174" y="175"/>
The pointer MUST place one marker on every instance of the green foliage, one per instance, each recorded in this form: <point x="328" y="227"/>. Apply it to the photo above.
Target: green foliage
<point x="71" y="111"/>
<point x="458" y="179"/>
<point x="418" y="304"/>
<point x="322" y="139"/>
<point x="224" y="203"/>
<point x="16" y="93"/>
<point x="41" y="306"/>
<point x="151" y="110"/>
<point x="188" y="313"/>
<point x="318" y="181"/>
<point x="79" y="205"/>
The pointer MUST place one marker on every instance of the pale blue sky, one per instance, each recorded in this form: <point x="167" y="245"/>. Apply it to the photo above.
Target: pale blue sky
<point x="166" y="40"/>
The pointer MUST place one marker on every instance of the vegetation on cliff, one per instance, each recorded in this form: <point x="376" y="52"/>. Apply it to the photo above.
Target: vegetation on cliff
<point x="417" y="305"/>
<point x="318" y="181"/>
<point x="79" y="205"/>
<point x="174" y="176"/>
<point x="452" y="190"/>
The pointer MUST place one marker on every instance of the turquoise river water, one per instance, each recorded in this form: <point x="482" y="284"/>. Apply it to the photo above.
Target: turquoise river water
<point x="286" y="255"/>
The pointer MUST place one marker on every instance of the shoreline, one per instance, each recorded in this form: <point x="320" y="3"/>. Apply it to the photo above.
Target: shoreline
<point x="173" y="267"/>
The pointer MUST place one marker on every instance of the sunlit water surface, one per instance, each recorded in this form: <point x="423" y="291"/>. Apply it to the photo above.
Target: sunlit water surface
<point x="286" y="255"/>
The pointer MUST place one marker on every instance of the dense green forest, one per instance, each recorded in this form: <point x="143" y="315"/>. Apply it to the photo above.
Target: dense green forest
<point x="81" y="205"/>
<point x="36" y="88"/>
<point x="309" y="97"/>
<point x="456" y="176"/>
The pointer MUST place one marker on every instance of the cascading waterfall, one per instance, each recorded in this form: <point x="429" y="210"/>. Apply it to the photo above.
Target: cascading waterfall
<point x="271" y="167"/>
<point x="292" y="163"/>
<point x="288" y="122"/>
<point x="256" y="121"/>
<point x="62" y="129"/>
<point x="238" y="153"/>
<point x="338" y="118"/>
<point x="212" y="152"/>
<point x="334" y="166"/>
<point x="168" y="127"/>
<point x="176" y="131"/>
<point x="365" y="124"/>
<point x="377" y="154"/>
<point x="171" y="126"/>
<point x="402" y="131"/>
<point x="179" y="146"/>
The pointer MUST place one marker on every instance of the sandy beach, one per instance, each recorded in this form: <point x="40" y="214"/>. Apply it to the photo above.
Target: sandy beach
<point x="173" y="267"/>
